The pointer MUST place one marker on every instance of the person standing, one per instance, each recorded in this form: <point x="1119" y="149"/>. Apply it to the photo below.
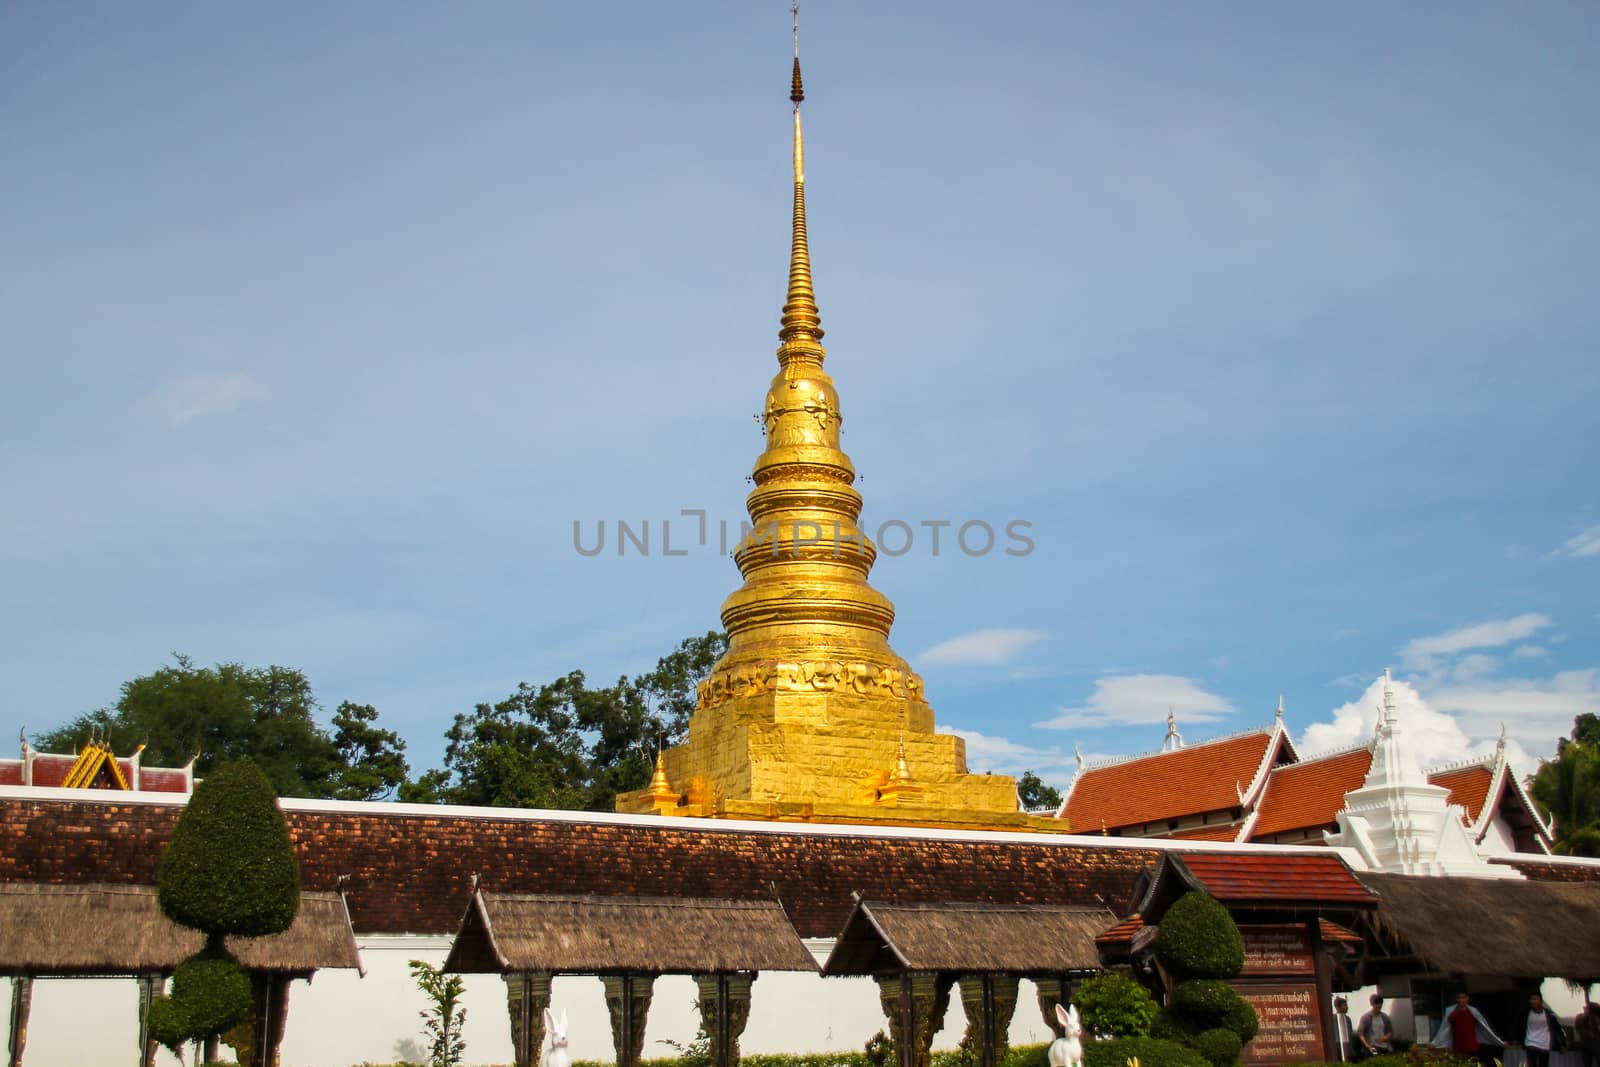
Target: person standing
<point x="1375" y="1031"/>
<point x="1587" y="1025"/>
<point x="1342" y="1027"/>
<point x="1539" y="1033"/>
<point x="1466" y="1032"/>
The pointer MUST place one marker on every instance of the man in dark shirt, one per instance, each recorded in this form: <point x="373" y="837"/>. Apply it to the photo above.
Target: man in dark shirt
<point x="1376" y="1030"/>
<point x="1538" y="1032"/>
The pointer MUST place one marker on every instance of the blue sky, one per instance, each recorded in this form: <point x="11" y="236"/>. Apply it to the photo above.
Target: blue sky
<point x="322" y="324"/>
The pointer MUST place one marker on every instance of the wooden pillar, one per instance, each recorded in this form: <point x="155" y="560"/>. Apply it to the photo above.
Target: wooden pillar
<point x="149" y="988"/>
<point x="916" y="1005"/>
<point x="628" y="1000"/>
<point x="21" y="1002"/>
<point x="527" y="995"/>
<point x="1322" y="959"/>
<point x="1053" y="990"/>
<point x="272" y="1017"/>
<point x="989" y="1000"/>
<point x="724" y="1011"/>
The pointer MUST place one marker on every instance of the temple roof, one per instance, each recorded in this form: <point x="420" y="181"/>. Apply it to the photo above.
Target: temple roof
<point x="1308" y="794"/>
<point x="1194" y="780"/>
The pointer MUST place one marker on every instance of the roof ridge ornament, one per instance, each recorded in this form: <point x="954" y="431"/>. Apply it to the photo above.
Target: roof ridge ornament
<point x="1174" y="740"/>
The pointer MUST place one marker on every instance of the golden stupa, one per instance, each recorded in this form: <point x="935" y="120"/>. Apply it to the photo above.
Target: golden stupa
<point x="811" y="716"/>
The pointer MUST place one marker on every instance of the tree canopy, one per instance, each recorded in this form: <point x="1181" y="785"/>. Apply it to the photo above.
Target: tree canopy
<point x="1568" y="789"/>
<point x="231" y="712"/>
<point x="567" y="743"/>
<point x="1035" y="795"/>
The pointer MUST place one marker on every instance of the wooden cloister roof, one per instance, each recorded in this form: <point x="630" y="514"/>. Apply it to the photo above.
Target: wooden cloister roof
<point x="563" y="934"/>
<point x="881" y="938"/>
<point x="83" y="930"/>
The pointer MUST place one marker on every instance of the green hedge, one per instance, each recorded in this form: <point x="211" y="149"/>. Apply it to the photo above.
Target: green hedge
<point x="1149" y="1051"/>
<point x="1198" y="939"/>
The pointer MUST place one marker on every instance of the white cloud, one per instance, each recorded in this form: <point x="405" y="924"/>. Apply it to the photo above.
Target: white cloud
<point x="1474" y="665"/>
<point x="982" y="646"/>
<point x="1442" y="738"/>
<point x="1004" y="756"/>
<point x="1535" y="711"/>
<point x="1424" y="652"/>
<point x="1530" y="652"/>
<point x="1586" y="543"/>
<point x="1141" y="698"/>
<point x="202" y="395"/>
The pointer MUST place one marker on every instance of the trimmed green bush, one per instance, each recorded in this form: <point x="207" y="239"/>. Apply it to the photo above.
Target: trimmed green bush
<point x="1203" y="999"/>
<point x="231" y="869"/>
<point x="1114" y="1005"/>
<point x="213" y="992"/>
<point x="169" y="1026"/>
<point x="1198" y="939"/>
<point x="1150" y="1052"/>
<point x="1199" y="943"/>
<point x="1241" y="1019"/>
<point x="1220" y="1046"/>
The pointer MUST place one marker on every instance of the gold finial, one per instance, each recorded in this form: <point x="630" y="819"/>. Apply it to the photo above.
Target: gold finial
<point x="662" y="798"/>
<point x="902" y="771"/>
<point x="801" y="326"/>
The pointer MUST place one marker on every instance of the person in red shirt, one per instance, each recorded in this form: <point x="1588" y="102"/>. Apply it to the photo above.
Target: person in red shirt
<point x="1467" y="1033"/>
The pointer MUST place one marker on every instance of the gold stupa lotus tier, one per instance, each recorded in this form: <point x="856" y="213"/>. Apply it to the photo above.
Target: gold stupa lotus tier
<point x="810" y="714"/>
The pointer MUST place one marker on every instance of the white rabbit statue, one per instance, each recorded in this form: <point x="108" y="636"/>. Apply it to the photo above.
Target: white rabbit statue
<point x="557" y="1055"/>
<point x="1064" y="1051"/>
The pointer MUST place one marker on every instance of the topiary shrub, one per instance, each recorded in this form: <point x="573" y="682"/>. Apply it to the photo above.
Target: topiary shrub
<point x="1199" y="943"/>
<point x="1198" y="939"/>
<point x="1149" y="1051"/>
<point x="230" y="868"/>
<point x="1114" y="1005"/>
<point x="213" y="991"/>
<point x="1219" y="1046"/>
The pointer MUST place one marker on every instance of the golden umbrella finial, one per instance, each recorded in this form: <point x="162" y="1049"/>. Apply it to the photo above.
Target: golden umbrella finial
<point x="801" y="326"/>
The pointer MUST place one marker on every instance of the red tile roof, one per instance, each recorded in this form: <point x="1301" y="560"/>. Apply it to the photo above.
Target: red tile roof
<point x="1214" y="832"/>
<point x="1332" y="931"/>
<point x="1166" y="785"/>
<point x="1469" y="787"/>
<point x="1123" y="931"/>
<point x="1269" y="878"/>
<point x="411" y="868"/>
<point x="1305" y="795"/>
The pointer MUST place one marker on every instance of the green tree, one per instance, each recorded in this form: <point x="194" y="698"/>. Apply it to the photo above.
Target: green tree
<point x="444" y="1017"/>
<point x="1568" y="788"/>
<point x="1035" y="795"/>
<point x="229" y="712"/>
<point x="230" y="870"/>
<point x="566" y="744"/>
<point x="371" y="761"/>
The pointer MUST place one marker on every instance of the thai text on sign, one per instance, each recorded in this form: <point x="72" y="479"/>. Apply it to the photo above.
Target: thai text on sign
<point x="1276" y="950"/>
<point x="1291" y="1024"/>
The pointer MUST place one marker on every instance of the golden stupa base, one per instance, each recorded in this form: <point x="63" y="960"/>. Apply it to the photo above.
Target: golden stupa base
<point x="829" y="757"/>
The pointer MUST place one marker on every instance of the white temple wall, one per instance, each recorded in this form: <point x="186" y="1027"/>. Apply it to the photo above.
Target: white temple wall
<point x="341" y="1019"/>
<point x="1498" y="839"/>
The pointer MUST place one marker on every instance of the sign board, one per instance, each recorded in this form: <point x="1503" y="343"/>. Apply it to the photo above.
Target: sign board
<point x="1276" y="950"/>
<point x="1291" y="1022"/>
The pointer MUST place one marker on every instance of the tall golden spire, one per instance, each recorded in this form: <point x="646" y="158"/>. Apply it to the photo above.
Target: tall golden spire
<point x="810" y="714"/>
<point x="801" y="322"/>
